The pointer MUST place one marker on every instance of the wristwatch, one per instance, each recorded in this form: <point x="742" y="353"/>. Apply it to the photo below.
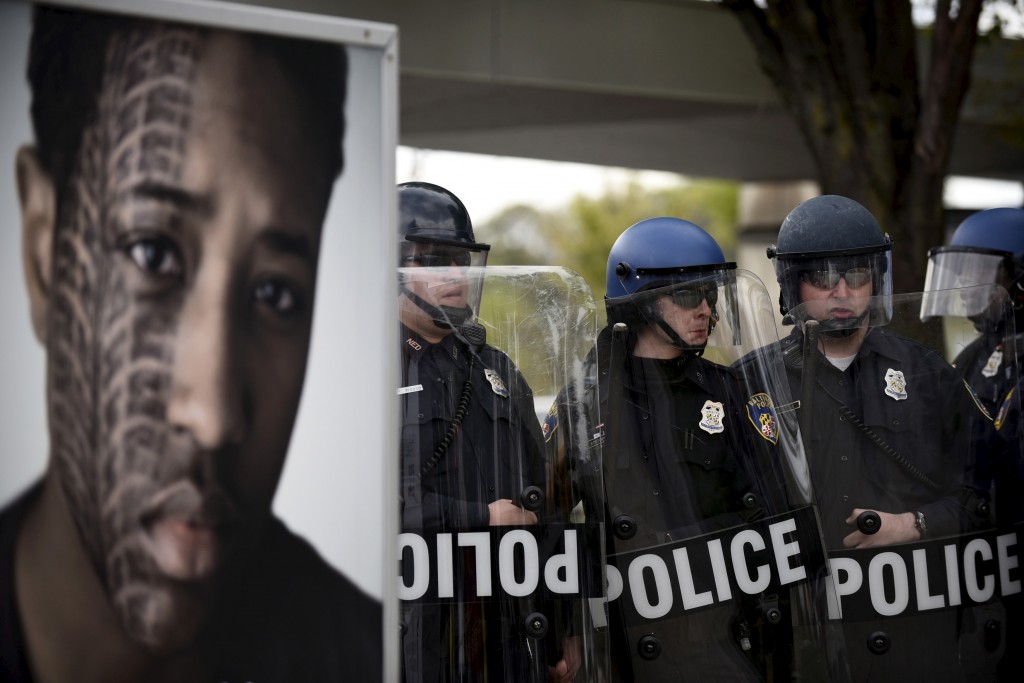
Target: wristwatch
<point x="920" y="524"/>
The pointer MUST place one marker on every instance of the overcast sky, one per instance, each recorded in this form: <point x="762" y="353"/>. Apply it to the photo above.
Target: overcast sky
<point x="487" y="184"/>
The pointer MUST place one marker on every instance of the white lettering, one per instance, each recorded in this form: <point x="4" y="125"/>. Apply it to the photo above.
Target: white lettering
<point x="662" y="584"/>
<point x="976" y="591"/>
<point x="445" y="570"/>
<point x="952" y="574"/>
<point x="420" y="564"/>
<point x="784" y="551"/>
<point x="565" y="563"/>
<point x="747" y="584"/>
<point x="481" y="541"/>
<point x="507" y="563"/>
<point x="614" y="579"/>
<point x="720" y="570"/>
<point x="839" y="566"/>
<point x="876" y="583"/>
<point x="1006" y="563"/>
<point x="691" y="598"/>
<point x="925" y="600"/>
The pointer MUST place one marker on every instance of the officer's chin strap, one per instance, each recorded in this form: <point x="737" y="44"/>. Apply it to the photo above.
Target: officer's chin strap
<point x="677" y="341"/>
<point x="844" y="328"/>
<point x="445" y="317"/>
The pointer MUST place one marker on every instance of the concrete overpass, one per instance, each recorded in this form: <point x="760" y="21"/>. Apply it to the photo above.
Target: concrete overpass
<point x="653" y="84"/>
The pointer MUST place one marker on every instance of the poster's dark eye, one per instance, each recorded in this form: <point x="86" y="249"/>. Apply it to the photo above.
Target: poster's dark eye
<point x="157" y="256"/>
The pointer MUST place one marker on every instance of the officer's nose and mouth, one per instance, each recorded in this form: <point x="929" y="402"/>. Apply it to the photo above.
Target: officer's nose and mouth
<point x="697" y="302"/>
<point x="447" y="281"/>
<point x="842" y="288"/>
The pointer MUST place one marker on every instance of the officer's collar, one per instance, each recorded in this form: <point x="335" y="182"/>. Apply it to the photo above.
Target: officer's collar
<point x="875" y="342"/>
<point x="685" y="368"/>
<point x="414" y="343"/>
<point x="648" y="371"/>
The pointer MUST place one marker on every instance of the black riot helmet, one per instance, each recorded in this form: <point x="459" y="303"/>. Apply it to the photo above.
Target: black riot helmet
<point x="436" y="234"/>
<point x="831" y="237"/>
<point x="430" y="214"/>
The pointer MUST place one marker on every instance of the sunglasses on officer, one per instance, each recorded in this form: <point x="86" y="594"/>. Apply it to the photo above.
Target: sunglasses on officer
<point x="440" y="258"/>
<point x="829" y="278"/>
<point x="691" y="297"/>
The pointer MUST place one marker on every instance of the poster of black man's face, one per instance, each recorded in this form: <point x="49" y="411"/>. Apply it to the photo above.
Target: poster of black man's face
<point x="196" y="297"/>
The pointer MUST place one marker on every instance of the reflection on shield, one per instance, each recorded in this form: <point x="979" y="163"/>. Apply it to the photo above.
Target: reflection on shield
<point x="501" y="603"/>
<point x="918" y="492"/>
<point x="715" y="560"/>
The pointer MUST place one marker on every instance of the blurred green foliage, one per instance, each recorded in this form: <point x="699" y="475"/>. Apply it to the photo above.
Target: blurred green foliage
<point x="580" y="235"/>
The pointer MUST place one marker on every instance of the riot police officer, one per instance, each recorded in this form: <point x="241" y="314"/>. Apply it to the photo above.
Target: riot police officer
<point x="676" y="445"/>
<point x="887" y="425"/>
<point x="987" y="252"/>
<point x="470" y="442"/>
<point x="986" y="255"/>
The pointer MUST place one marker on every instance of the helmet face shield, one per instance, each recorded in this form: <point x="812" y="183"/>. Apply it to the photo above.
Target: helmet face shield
<point x="974" y="273"/>
<point x="699" y="305"/>
<point x="442" y="254"/>
<point x="448" y="295"/>
<point x="809" y="279"/>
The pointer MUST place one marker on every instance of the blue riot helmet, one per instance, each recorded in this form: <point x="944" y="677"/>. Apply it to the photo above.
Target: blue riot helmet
<point x="666" y="257"/>
<point x="436" y="234"/>
<point x="987" y="249"/>
<point x="827" y="238"/>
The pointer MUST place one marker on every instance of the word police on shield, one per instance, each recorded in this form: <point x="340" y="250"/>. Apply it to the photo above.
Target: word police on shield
<point x="542" y="561"/>
<point x="920" y="577"/>
<point x="669" y="580"/>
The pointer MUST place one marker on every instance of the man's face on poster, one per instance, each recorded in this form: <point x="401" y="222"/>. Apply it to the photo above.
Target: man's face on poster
<point x="179" y="314"/>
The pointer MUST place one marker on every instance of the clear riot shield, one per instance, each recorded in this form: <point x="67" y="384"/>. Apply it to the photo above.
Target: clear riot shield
<point x="716" y="568"/>
<point x="902" y="457"/>
<point x="499" y="567"/>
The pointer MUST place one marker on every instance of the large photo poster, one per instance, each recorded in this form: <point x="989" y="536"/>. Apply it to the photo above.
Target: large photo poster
<point x="197" y="203"/>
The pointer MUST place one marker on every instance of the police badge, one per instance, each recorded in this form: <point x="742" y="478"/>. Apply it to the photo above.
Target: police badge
<point x="895" y="385"/>
<point x="713" y="414"/>
<point x="993" y="363"/>
<point x="497" y="384"/>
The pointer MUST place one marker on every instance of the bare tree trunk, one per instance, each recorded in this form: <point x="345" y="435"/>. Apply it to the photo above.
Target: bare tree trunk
<point x="848" y="72"/>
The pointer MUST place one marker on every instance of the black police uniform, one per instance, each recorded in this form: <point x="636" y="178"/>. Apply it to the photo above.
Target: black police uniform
<point x="988" y="366"/>
<point x="672" y="480"/>
<point x="495" y="454"/>
<point x="287" y="616"/>
<point x="929" y="427"/>
<point x="929" y="424"/>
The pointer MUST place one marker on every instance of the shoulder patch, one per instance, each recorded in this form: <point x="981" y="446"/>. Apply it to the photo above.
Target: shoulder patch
<point x="761" y="413"/>
<point x="977" y="402"/>
<point x="550" y="422"/>
<point x="1005" y="409"/>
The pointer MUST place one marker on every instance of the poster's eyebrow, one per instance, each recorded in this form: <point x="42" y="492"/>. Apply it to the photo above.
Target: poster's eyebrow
<point x="169" y="194"/>
<point x="291" y="243"/>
